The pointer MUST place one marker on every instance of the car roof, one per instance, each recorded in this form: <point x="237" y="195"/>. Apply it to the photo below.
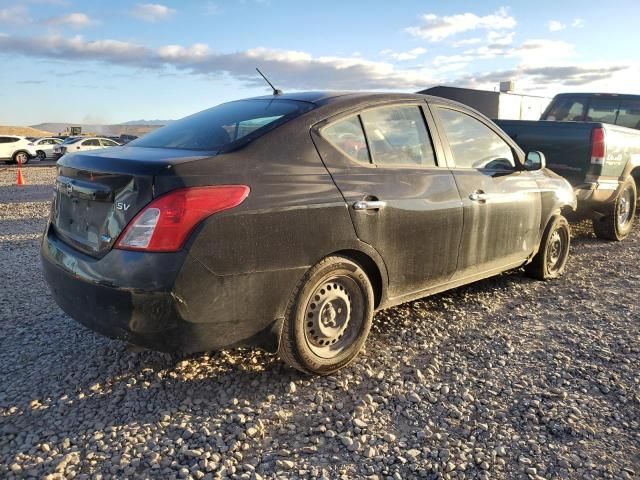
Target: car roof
<point x="327" y="97"/>
<point x="586" y="94"/>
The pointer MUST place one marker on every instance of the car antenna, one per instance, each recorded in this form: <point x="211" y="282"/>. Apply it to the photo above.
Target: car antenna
<point x="275" y="90"/>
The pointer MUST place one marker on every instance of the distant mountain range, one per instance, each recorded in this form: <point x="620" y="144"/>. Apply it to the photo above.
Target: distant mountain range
<point x="134" y="127"/>
<point x="147" y="122"/>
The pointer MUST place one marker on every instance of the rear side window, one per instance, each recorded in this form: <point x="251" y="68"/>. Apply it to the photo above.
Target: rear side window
<point x="398" y="136"/>
<point x="473" y="144"/>
<point x="220" y="126"/>
<point x="629" y="114"/>
<point x="91" y="143"/>
<point x="602" y="110"/>
<point x="347" y="136"/>
<point x="108" y="143"/>
<point x="566" y="109"/>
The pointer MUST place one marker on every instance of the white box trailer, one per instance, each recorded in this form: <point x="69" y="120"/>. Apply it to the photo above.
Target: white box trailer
<point x="495" y="105"/>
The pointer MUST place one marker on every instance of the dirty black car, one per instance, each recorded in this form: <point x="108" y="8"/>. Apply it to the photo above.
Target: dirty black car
<point x="284" y="222"/>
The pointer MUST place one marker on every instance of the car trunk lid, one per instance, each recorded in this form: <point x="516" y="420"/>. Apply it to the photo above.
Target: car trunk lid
<point x="98" y="193"/>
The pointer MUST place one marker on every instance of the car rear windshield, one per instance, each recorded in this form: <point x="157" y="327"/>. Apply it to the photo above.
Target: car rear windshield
<point x="221" y="126"/>
<point x="606" y="109"/>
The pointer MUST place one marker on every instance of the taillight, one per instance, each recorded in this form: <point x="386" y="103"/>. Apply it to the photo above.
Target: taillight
<point x="166" y="223"/>
<point x="598" y="146"/>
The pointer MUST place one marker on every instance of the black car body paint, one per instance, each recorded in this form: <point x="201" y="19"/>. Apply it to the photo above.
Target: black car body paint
<point x="231" y="282"/>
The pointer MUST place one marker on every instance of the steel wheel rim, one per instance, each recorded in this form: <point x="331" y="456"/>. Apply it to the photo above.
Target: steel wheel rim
<point x="625" y="207"/>
<point x="333" y="316"/>
<point x="556" y="250"/>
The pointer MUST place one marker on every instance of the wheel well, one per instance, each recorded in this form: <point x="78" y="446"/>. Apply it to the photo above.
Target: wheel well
<point x="370" y="268"/>
<point x="635" y="173"/>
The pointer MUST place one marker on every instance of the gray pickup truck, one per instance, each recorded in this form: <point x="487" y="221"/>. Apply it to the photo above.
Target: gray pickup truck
<point x="592" y="140"/>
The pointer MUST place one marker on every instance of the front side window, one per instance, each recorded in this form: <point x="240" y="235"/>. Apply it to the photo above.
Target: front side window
<point x="347" y="136"/>
<point x="217" y="127"/>
<point x="566" y="109"/>
<point x="629" y="114"/>
<point x="473" y="144"/>
<point x="91" y="143"/>
<point x="398" y="136"/>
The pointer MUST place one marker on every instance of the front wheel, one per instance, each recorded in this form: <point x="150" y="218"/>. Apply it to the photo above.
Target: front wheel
<point x="21" y="157"/>
<point x="551" y="259"/>
<point x="328" y="318"/>
<point x="616" y="225"/>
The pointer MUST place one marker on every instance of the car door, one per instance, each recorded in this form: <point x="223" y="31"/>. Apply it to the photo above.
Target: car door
<point x="501" y="201"/>
<point x="402" y="200"/>
<point x="4" y="147"/>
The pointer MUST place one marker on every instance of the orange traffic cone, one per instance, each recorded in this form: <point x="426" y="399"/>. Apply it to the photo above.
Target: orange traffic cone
<point x="20" y="177"/>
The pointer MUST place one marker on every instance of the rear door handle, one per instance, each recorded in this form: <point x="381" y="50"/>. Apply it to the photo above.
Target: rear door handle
<point x="369" y="205"/>
<point x="478" y="196"/>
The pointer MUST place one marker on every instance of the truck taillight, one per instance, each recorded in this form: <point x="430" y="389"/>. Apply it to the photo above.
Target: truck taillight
<point x="598" y="146"/>
<point x="166" y="223"/>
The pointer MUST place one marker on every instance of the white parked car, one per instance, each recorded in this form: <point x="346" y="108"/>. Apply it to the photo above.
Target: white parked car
<point x="14" y="148"/>
<point x="81" y="144"/>
<point x="42" y="148"/>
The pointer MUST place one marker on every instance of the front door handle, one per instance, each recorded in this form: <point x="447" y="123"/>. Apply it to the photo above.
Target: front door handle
<point x="478" y="196"/>
<point x="369" y="205"/>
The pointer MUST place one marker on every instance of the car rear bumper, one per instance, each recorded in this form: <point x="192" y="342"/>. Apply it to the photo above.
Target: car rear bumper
<point x="165" y="302"/>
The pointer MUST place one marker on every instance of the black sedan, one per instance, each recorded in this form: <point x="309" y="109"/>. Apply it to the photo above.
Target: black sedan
<point x="284" y="222"/>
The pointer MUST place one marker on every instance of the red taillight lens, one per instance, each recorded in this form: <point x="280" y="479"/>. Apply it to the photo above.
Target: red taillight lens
<point x="598" y="146"/>
<point x="165" y="224"/>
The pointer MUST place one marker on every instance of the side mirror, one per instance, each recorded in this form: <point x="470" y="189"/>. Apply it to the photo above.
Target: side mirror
<point x="535" y="161"/>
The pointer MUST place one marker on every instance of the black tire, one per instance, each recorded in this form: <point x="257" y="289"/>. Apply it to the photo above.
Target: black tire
<point x="41" y="156"/>
<point x="25" y="156"/>
<point x="551" y="259"/>
<point x="617" y="223"/>
<point x="332" y="303"/>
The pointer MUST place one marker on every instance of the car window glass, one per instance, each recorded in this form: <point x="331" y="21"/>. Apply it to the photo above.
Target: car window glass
<point x="4" y="140"/>
<point x="602" y="110"/>
<point x="91" y="143"/>
<point x="566" y="109"/>
<point x="397" y="135"/>
<point x="629" y="114"/>
<point x="473" y="144"/>
<point x="347" y="136"/>
<point x="218" y="127"/>
<point x="108" y="143"/>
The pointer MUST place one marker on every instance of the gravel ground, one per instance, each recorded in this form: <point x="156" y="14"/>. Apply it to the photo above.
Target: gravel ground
<point x="505" y="378"/>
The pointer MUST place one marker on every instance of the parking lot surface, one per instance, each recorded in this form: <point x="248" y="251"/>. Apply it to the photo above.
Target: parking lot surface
<point x="505" y="378"/>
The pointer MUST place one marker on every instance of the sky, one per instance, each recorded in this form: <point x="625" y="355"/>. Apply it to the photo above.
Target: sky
<point x="87" y="61"/>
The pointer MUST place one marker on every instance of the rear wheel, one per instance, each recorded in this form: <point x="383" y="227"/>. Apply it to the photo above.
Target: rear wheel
<point x="41" y="156"/>
<point x="617" y="223"/>
<point x="328" y="318"/>
<point x="21" y="157"/>
<point x="551" y="259"/>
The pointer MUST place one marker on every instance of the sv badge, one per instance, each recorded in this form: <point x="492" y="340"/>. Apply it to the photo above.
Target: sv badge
<point x="122" y="206"/>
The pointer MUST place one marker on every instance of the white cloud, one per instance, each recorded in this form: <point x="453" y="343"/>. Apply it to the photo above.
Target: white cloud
<point x="152" y="12"/>
<point x="212" y="8"/>
<point x="288" y="68"/>
<point x="403" y="56"/>
<point x="436" y="28"/>
<point x="555" y="26"/>
<point x="75" y="20"/>
<point x="577" y="23"/>
<point x="17" y="15"/>
<point x="543" y="51"/>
